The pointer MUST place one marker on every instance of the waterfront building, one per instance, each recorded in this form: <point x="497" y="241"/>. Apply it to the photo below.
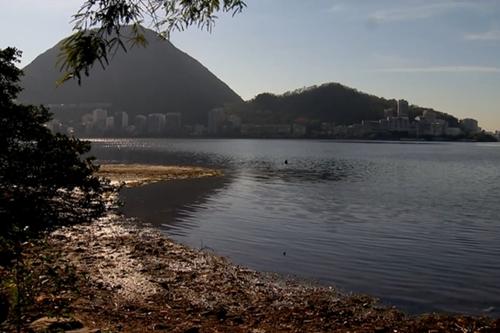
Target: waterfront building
<point x="216" y="119"/>
<point x="389" y="113"/>
<point x="372" y="126"/>
<point x="234" y="121"/>
<point x="173" y="122"/>
<point x="266" y="130"/>
<point x="199" y="130"/>
<point x="121" y="120"/>
<point x="140" y="124"/>
<point x="99" y="117"/>
<point x="399" y="124"/>
<point x="355" y="131"/>
<point x="403" y="108"/>
<point x="155" y="123"/>
<point x="299" y="130"/>
<point x="428" y="125"/>
<point x="87" y="124"/>
<point x="340" y="131"/>
<point x="110" y="123"/>
<point x="453" y="131"/>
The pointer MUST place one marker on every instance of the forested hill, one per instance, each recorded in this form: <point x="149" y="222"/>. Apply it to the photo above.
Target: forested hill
<point x="156" y="79"/>
<point x="330" y="102"/>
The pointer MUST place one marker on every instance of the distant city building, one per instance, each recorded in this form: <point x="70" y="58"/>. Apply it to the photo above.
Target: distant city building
<point x="234" y="121"/>
<point x="99" y="117"/>
<point x="403" y="108"/>
<point x="173" y="122"/>
<point x="470" y="125"/>
<point x="376" y="126"/>
<point x="140" y="124"/>
<point x="389" y="113"/>
<point x="299" y="130"/>
<point x="87" y="123"/>
<point x="216" y="118"/>
<point x="110" y="123"/>
<point x="121" y="120"/>
<point x="399" y="124"/>
<point x="266" y="131"/>
<point x="155" y="124"/>
<point x="453" y="131"/>
<point x="199" y="130"/>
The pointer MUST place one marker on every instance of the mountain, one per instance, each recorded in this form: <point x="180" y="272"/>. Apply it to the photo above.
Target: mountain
<point x="329" y="102"/>
<point x="156" y="79"/>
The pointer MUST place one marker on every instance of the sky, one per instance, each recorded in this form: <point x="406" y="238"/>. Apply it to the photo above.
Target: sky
<point x="443" y="54"/>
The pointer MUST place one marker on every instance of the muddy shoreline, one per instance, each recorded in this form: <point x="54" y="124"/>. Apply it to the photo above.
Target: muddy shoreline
<point x="115" y="276"/>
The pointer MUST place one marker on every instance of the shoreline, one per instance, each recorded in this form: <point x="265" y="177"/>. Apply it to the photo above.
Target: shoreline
<point x="117" y="276"/>
<point x="113" y="275"/>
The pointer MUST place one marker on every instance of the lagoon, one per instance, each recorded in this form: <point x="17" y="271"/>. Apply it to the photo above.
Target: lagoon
<point x="415" y="224"/>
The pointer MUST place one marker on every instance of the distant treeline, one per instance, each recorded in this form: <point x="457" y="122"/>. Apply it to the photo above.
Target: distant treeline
<point x="330" y="102"/>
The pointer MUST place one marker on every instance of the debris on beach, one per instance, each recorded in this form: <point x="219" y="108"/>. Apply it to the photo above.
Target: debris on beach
<point x="125" y="278"/>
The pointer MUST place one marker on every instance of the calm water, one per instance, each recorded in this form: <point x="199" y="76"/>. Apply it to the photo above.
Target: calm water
<point x="417" y="225"/>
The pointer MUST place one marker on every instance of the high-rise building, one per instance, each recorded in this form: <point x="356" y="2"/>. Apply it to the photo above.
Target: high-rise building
<point x="173" y="122"/>
<point x="121" y="120"/>
<point x="110" y="123"/>
<point x="403" y="108"/>
<point x="156" y="123"/>
<point x="99" y="117"/>
<point x="216" y="118"/>
<point x="140" y="124"/>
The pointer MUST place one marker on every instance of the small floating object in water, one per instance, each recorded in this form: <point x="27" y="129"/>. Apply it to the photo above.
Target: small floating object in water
<point x="286" y="161"/>
<point x="284" y="253"/>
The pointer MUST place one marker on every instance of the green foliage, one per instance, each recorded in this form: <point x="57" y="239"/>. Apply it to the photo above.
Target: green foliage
<point x="98" y="27"/>
<point x="330" y="102"/>
<point x="44" y="179"/>
<point x="482" y="137"/>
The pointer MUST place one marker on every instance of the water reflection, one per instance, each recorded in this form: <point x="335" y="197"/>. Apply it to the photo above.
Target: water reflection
<point x="272" y="167"/>
<point x="416" y="225"/>
<point x="169" y="202"/>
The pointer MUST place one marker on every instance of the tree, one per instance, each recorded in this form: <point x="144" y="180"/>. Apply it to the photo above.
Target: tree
<point x="45" y="180"/>
<point x="98" y="24"/>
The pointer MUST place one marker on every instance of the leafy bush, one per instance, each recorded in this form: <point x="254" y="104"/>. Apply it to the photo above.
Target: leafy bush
<point x="45" y="179"/>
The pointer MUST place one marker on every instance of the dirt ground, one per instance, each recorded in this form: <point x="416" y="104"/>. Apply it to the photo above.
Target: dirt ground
<point x="113" y="276"/>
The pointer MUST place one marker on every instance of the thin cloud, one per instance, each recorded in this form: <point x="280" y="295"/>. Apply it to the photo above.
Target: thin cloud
<point x="336" y="8"/>
<point x="487" y="35"/>
<point x="412" y="13"/>
<point x="443" y="69"/>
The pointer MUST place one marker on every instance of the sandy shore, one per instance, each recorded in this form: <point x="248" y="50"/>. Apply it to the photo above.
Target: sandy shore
<point x="141" y="174"/>
<point x="115" y="276"/>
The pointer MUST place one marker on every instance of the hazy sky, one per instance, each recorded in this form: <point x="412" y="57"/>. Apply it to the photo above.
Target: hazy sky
<point x="443" y="54"/>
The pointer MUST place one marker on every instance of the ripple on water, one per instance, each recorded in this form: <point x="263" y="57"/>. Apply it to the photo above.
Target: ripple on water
<point x="416" y="225"/>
